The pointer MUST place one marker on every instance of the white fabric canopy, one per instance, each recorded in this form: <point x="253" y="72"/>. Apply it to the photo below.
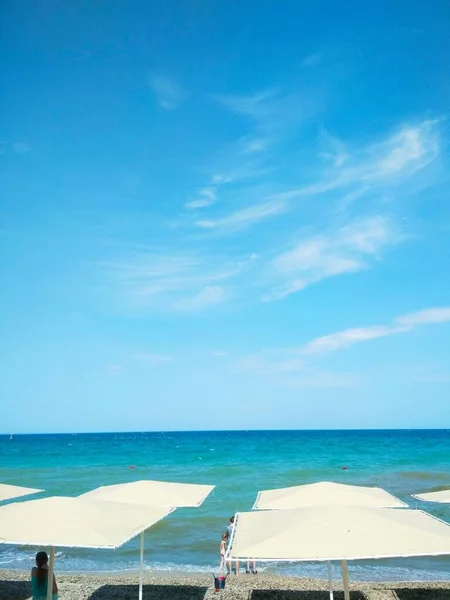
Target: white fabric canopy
<point x="75" y="522"/>
<point x="152" y="493"/>
<point x="442" y="496"/>
<point x="326" y="493"/>
<point x="337" y="533"/>
<point x="7" y="492"/>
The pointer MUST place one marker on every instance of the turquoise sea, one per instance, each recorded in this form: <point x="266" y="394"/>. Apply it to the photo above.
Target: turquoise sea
<point x="239" y="464"/>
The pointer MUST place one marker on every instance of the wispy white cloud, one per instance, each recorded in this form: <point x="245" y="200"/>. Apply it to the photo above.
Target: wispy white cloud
<point x="345" y="339"/>
<point x="288" y="369"/>
<point x="402" y="324"/>
<point x="312" y="60"/>
<point x="205" y="197"/>
<point x="202" y="274"/>
<point x="219" y="179"/>
<point x="21" y="148"/>
<point x="273" y="113"/>
<point x="349" y="249"/>
<point x="245" y="217"/>
<point x="332" y="149"/>
<point x="394" y="159"/>
<point x="172" y="282"/>
<point x="294" y="366"/>
<point x="425" y="317"/>
<point x="253" y="145"/>
<point x="232" y="174"/>
<point x="405" y="152"/>
<point x="271" y="362"/>
<point x="168" y="92"/>
<point x="199" y="203"/>
<point x="256" y="106"/>
<point x="350" y="175"/>
<point x="208" y="296"/>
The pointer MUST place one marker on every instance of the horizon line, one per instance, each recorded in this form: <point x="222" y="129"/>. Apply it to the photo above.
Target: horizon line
<point x="139" y="432"/>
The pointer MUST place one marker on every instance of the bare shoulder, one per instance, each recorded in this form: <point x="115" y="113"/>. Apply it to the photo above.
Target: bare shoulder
<point x="34" y="571"/>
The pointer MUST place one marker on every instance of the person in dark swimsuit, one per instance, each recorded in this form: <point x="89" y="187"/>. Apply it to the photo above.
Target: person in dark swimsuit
<point x="39" y="578"/>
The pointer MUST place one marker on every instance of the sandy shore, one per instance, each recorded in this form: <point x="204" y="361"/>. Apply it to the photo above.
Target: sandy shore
<point x="14" y="585"/>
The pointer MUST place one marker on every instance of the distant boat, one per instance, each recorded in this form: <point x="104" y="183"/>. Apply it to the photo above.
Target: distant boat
<point x="10" y="437"/>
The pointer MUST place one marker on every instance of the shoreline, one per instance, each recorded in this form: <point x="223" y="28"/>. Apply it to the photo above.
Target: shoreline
<point x="180" y="574"/>
<point x="160" y="585"/>
<point x="202" y="573"/>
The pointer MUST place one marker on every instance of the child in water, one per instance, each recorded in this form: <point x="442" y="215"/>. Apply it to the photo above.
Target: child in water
<point x="223" y="548"/>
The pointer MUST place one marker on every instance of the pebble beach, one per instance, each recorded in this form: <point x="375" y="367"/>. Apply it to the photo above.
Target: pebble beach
<point x="14" y="585"/>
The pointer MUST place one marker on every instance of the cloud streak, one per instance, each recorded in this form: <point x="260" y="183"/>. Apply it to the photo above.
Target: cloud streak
<point x="208" y="296"/>
<point x="374" y="169"/>
<point x="288" y="368"/>
<point x="21" y="149"/>
<point x="205" y="197"/>
<point x="199" y="274"/>
<point x="348" y="249"/>
<point x="402" y="324"/>
<point x="169" y="94"/>
<point x="274" y="115"/>
<point x="294" y="366"/>
<point x="313" y="60"/>
<point x="394" y="159"/>
<point x="242" y="219"/>
<point x="173" y="282"/>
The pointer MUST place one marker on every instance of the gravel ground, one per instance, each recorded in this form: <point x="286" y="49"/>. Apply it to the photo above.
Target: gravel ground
<point x="14" y="585"/>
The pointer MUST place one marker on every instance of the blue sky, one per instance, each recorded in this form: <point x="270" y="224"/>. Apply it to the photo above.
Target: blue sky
<point x="224" y="215"/>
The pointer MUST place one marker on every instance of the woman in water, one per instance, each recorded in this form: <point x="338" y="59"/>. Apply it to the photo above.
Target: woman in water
<point x="39" y="578"/>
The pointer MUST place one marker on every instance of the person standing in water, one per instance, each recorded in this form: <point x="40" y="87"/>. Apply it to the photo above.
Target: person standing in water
<point x="39" y="578"/>
<point x="223" y="549"/>
<point x="253" y="564"/>
<point x="230" y="531"/>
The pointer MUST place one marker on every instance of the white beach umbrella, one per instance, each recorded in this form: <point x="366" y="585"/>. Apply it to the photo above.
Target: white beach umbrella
<point x="151" y="493"/>
<point x="326" y="493"/>
<point x="342" y="533"/>
<point x="7" y="492"/>
<point x="74" y="523"/>
<point x="443" y="496"/>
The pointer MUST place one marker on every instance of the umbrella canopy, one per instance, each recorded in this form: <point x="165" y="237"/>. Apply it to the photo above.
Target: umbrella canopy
<point x="75" y="522"/>
<point x="337" y="533"/>
<point x="7" y="492"/>
<point x="326" y="493"/>
<point x="152" y="493"/>
<point x="442" y="496"/>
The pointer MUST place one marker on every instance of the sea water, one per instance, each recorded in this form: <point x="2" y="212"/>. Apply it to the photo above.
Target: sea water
<point x="239" y="464"/>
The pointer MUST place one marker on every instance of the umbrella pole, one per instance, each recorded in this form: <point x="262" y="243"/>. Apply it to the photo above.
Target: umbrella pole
<point x="50" y="573"/>
<point x="345" y="580"/>
<point x="141" y="574"/>
<point x="330" y="580"/>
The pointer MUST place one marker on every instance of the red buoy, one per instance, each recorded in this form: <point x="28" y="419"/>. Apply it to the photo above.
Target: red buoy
<point x="132" y="467"/>
<point x="345" y="468"/>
